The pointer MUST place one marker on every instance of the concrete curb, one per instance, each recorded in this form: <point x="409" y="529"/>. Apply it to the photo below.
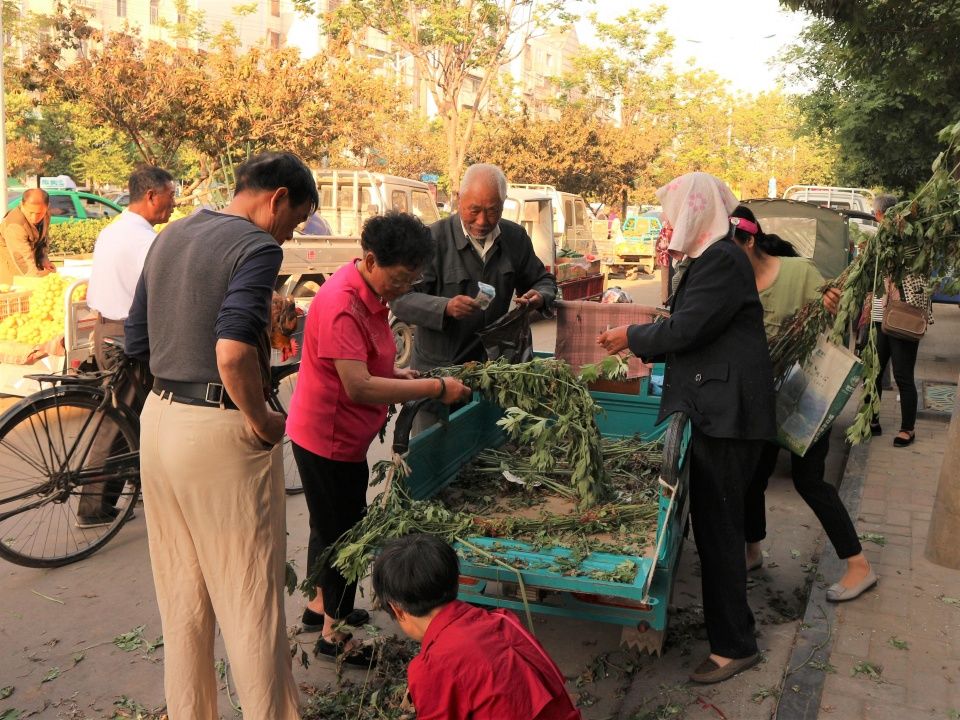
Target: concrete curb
<point x="803" y="685"/>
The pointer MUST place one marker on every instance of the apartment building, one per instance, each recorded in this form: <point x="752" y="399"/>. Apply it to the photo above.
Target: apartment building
<point x="533" y="71"/>
<point x="538" y="68"/>
<point x="265" y="22"/>
<point x="276" y="23"/>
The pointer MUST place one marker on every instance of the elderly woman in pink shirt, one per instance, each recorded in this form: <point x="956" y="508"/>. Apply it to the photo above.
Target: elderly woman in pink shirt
<point x="347" y="380"/>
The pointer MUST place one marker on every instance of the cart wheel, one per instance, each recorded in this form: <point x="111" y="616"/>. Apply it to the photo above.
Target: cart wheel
<point x="673" y="447"/>
<point x="644" y="639"/>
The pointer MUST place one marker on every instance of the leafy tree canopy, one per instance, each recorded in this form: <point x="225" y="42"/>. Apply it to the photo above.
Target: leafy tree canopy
<point x="884" y="78"/>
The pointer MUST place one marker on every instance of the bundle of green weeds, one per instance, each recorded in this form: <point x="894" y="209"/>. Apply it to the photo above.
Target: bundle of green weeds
<point x="917" y="237"/>
<point x="547" y="407"/>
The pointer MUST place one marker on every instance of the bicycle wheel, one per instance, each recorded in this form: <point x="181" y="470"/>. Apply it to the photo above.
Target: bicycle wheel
<point x="403" y="339"/>
<point x="56" y="448"/>
<point x="285" y="380"/>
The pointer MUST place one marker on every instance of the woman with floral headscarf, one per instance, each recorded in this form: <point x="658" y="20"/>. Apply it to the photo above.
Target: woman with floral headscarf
<point x="718" y="373"/>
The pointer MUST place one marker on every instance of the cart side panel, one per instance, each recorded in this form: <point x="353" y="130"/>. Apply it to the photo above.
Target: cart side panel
<point x="437" y="454"/>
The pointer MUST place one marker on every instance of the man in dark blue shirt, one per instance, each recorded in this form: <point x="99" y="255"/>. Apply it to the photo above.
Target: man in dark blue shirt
<point x="212" y="486"/>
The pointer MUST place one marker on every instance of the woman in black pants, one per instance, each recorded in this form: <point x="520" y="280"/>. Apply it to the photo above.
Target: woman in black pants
<point x="785" y="283"/>
<point x="718" y="373"/>
<point x="903" y="353"/>
<point x="347" y="379"/>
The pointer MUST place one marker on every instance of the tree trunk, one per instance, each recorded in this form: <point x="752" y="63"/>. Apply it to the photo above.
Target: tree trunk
<point x="451" y="123"/>
<point x="942" y="546"/>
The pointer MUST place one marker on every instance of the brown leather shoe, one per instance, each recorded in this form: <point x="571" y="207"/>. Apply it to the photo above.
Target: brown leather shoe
<point x="709" y="672"/>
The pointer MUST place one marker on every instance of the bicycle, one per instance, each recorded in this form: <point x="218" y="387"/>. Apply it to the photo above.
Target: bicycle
<point x="79" y="437"/>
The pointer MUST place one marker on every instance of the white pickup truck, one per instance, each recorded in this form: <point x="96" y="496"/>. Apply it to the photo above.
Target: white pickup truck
<point x="331" y="236"/>
<point x="835" y="198"/>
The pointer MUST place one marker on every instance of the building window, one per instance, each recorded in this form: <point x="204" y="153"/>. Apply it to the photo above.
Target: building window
<point x="273" y="39"/>
<point x="154" y="12"/>
<point x="275" y="8"/>
<point x="121" y="8"/>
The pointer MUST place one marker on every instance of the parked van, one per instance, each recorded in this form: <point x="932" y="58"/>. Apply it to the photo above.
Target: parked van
<point x="349" y="197"/>
<point x="533" y="209"/>
<point x="572" y="218"/>
<point x="577" y="278"/>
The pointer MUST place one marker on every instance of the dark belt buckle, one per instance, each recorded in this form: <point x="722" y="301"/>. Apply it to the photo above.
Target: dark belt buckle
<point x="214" y="394"/>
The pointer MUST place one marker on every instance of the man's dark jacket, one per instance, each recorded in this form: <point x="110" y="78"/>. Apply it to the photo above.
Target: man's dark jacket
<point x="718" y="365"/>
<point x="511" y="266"/>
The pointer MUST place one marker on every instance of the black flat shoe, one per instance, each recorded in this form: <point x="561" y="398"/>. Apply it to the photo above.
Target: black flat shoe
<point x="875" y="429"/>
<point x="903" y="442"/>
<point x="361" y="656"/>
<point x="313" y="621"/>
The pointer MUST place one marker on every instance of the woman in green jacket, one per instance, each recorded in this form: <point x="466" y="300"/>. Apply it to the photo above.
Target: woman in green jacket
<point x="786" y="283"/>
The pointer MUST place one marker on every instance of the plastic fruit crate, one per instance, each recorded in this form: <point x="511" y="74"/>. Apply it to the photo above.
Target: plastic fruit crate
<point x="14" y="303"/>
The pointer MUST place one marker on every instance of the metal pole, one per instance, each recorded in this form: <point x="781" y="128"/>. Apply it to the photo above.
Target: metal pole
<point x="3" y="128"/>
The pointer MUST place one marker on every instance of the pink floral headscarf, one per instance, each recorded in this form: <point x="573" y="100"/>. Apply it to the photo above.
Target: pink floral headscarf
<point x="697" y="206"/>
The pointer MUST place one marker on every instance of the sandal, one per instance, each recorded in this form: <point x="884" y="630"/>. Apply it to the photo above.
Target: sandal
<point x="361" y="656"/>
<point x="904" y="441"/>
<point x="875" y="428"/>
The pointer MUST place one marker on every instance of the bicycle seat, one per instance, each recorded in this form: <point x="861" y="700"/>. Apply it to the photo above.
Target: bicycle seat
<point x="276" y="371"/>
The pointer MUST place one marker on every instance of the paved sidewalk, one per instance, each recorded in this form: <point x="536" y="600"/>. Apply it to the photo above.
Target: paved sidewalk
<point x="895" y="652"/>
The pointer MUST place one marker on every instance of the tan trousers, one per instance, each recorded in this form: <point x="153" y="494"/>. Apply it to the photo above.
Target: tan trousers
<point x="216" y="522"/>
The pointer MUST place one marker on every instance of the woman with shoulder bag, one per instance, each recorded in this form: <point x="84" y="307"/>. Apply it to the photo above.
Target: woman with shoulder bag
<point x="901" y="350"/>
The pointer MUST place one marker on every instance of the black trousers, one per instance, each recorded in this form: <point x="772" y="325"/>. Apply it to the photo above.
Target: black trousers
<point x="131" y="390"/>
<point x="820" y="496"/>
<point x="903" y="354"/>
<point x="336" y="494"/>
<point x="719" y="472"/>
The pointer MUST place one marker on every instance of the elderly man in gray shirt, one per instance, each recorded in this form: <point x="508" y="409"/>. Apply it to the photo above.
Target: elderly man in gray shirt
<point x="474" y="245"/>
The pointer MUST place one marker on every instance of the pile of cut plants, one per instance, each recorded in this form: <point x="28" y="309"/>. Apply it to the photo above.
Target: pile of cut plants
<point x="556" y="483"/>
<point x="377" y="694"/>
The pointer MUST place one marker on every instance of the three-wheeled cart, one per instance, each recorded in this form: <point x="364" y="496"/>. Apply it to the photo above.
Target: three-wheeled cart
<point x="436" y="456"/>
